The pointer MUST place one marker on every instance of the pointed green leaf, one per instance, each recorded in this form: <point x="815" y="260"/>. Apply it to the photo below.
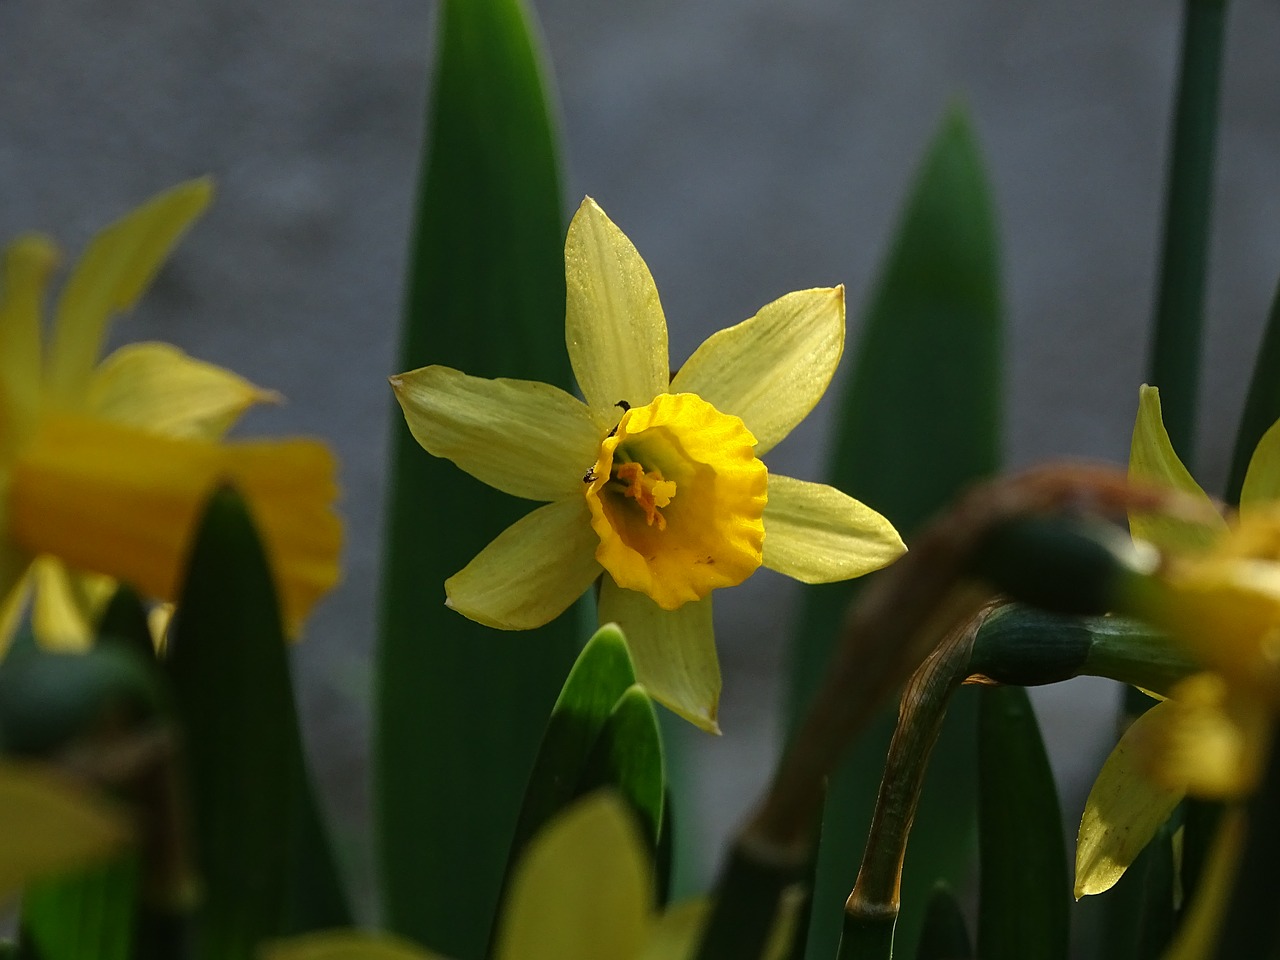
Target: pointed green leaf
<point x="1024" y="892"/>
<point x="461" y="707"/>
<point x="601" y="675"/>
<point x="627" y="756"/>
<point x="227" y="660"/>
<point x="928" y="369"/>
<point x="1261" y="406"/>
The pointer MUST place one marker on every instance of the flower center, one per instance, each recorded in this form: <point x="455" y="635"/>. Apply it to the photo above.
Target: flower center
<point x="678" y="548"/>
<point x="647" y="489"/>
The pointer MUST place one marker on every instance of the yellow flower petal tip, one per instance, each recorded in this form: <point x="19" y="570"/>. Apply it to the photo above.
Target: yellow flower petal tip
<point x="677" y="498"/>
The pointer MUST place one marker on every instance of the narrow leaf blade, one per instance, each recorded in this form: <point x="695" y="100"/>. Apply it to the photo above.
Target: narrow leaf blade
<point x="1024" y="906"/>
<point x="460" y="707"/>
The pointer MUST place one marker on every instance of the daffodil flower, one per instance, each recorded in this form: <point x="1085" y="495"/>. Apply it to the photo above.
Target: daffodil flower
<point x="654" y="482"/>
<point x="104" y="467"/>
<point x="1218" y="593"/>
<point x="583" y="891"/>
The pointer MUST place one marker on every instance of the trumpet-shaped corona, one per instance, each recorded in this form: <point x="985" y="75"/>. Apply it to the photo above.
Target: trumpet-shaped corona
<point x="677" y="499"/>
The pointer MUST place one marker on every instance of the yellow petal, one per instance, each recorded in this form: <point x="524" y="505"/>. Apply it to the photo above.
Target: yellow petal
<point x="344" y="945"/>
<point x="527" y="439"/>
<point x="123" y="502"/>
<point x="67" y="605"/>
<point x="49" y="826"/>
<point x="1125" y="808"/>
<point x="614" y="327"/>
<point x="818" y="534"/>
<point x="14" y="587"/>
<point x="1152" y="459"/>
<point x="1214" y="741"/>
<point x="1197" y="935"/>
<point x="674" y="651"/>
<point x="582" y="891"/>
<point x="678" y="932"/>
<point x="27" y="265"/>
<point x="707" y="532"/>
<point x="157" y="387"/>
<point x="114" y="272"/>
<point x="1262" y="479"/>
<point x="773" y="369"/>
<point x="530" y="574"/>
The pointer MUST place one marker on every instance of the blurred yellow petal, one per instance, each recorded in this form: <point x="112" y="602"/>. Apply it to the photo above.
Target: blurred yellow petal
<point x="1124" y="808"/>
<point x="67" y="604"/>
<point x="1226" y="610"/>
<point x="582" y="890"/>
<point x="530" y="574"/>
<point x="344" y="945"/>
<point x="817" y="534"/>
<point x="674" y="651"/>
<point x="527" y="439"/>
<point x="123" y="502"/>
<point x="614" y="327"/>
<point x="1214" y="740"/>
<point x="1262" y="479"/>
<point x="677" y="499"/>
<point x="1152" y="459"/>
<point x="49" y="826"/>
<point x="771" y="370"/>
<point x="1197" y="935"/>
<point x="113" y="273"/>
<point x="678" y="932"/>
<point x="14" y="587"/>
<point x="24" y="279"/>
<point x="157" y="387"/>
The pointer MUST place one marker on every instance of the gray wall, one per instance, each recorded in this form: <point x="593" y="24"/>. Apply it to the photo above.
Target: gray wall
<point x="748" y="147"/>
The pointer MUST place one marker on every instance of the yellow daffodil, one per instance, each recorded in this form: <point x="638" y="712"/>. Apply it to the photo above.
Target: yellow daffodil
<point x="582" y="892"/>
<point x="104" y="467"/>
<point x="1218" y="593"/>
<point x="654" y="481"/>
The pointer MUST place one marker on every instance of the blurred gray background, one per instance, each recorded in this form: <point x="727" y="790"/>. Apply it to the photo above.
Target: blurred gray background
<point x="748" y="147"/>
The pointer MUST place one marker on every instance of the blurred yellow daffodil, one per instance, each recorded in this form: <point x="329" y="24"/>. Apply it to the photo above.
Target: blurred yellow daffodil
<point x="654" y="481"/>
<point x="582" y="891"/>
<point x="104" y="467"/>
<point x="1217" y="593"/>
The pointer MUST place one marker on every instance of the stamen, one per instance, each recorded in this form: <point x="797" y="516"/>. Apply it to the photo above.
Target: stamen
<point x="649" y="490"/>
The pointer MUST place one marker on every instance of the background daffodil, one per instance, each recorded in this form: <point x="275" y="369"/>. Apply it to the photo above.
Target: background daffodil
<point x="104" y="467"/>
<point x="654" y="481"/>
<point x="1218" y="593"/>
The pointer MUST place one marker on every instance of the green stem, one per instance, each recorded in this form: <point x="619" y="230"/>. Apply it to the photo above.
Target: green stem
<point x="1179" y="316"/>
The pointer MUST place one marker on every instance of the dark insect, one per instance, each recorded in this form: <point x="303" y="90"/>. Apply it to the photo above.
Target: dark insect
<point x="625" y="407"/>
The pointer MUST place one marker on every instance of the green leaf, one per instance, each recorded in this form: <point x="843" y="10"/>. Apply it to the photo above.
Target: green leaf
<point x="600" y="676"/>
<point x="1024" y="892"/>
<point x="460" y="707"/>
<point x="1261" y="406"/>
<point x="227" y="660"/>
<point x="1179" y="314"/>
<point x="89" y="914"/>
<point x="919" y="422"/>
<point x="627" y="756"/>
<point x="944" y="935"/>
